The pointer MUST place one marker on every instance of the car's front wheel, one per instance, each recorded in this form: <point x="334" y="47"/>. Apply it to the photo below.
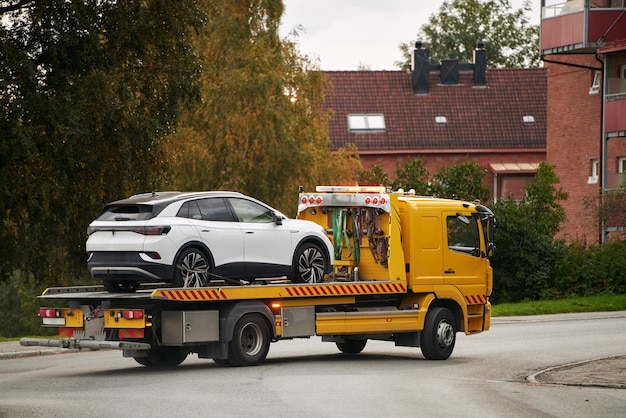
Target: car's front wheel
<point x="310" y="264"/>
<point x="192" y="269"/>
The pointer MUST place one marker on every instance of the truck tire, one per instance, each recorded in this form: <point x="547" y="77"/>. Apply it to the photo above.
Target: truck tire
<point x="221" y="362"/>
<point x="439" y="334"/>
<point x="192" y="269"/>
<point x="351" y="346"/>
<point x="251" y="341"/>
<point x="163" y="357"/>
<point x="309" y="264"/>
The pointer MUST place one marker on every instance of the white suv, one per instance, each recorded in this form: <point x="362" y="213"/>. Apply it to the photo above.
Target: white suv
<point x="189" y="239"/>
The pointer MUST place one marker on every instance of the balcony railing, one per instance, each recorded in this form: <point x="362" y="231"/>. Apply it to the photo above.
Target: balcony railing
<point x="581" y="26"/>
<point x="561" y="8"/>
<point x="616" y="89"/>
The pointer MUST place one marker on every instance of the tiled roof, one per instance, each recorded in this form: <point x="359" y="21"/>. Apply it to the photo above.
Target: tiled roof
<point x="477" y="117"/>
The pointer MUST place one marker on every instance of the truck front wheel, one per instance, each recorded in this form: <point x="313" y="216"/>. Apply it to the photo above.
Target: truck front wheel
<point x="251" y="341"/>
<point x="439" y="334"/>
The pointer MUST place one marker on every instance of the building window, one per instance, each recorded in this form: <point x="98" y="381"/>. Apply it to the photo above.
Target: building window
<point x="366" y="122"/>
<point x="528" y="119"/>
<point x="621" y="165"/>
<point x="595" y="171"/>
<point x="441" y="120"/>
<point x="595" y="84"/>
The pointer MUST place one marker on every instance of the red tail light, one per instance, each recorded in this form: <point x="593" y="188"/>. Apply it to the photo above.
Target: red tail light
<point x="152" y="230"/>
<point x="49" y="313"/>
<point x="132" y="314"/>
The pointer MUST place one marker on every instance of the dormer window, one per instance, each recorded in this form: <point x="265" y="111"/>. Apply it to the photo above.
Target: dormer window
<point x="370" y="122"/>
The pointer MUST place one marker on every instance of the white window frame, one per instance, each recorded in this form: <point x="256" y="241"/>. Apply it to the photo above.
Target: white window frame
<point x="595" y="171"/>
<point x="373" y="122"/>
<point x="595" y="85"/>
<point x="621" y="164"/>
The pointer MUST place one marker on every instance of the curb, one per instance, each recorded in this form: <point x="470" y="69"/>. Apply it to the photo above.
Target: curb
<point x="564" y="368"/>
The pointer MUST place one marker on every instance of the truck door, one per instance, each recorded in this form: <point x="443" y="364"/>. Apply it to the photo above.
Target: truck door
<point x="464" y="264"/>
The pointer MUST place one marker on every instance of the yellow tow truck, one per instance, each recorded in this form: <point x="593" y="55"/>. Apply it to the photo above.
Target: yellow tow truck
<point x="408" y="269"/>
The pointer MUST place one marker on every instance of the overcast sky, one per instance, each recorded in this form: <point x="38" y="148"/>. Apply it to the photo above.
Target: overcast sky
<point x="344" y="34"/>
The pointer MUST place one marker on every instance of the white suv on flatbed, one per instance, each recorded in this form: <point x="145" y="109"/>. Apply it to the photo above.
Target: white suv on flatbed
<point x="189" y="239"/>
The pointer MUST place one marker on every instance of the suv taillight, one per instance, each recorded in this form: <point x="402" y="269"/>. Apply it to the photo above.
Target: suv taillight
<point x="152" y="230"/>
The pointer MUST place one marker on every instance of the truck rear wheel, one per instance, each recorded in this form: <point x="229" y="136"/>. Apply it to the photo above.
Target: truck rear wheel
<point x="439" y="334"/>
<point x="251" y="341"/>
<point x="351" y="346"/>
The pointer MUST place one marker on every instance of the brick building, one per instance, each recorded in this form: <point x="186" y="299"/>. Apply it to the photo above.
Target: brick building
<point x="443" y="114"/>
<point x="583" y="44"/>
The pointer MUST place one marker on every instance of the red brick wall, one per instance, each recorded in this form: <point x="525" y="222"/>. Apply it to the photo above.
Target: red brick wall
<point x="574" y="139"/>
<point x="434" y="161"/>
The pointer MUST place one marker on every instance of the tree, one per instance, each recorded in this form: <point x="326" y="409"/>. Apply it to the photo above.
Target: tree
<point x="453" y="32"/>
<point x="462" y="181"/>
<point x="526" y="252"/>
<point x="610" y="211"/>
<point x="260" y="128"/>
<point x="375" y="176"/>
<point x="413" y="175"/>
<point x="87" y="91"/>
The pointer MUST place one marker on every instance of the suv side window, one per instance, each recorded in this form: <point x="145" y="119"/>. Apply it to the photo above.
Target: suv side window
<point x="248" y="211"/>
<point x="212" y="209"/>
<point x="463" y="235"/>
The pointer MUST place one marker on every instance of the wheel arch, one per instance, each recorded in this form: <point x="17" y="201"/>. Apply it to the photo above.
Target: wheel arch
<point x="230" y="315"/>
<point x="311" y="239"/>
<point x="197" y="245"/>
<point x="453" y="306"/>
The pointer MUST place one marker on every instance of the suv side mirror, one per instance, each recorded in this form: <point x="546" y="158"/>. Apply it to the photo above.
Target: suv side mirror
<point x="278" y="220"/>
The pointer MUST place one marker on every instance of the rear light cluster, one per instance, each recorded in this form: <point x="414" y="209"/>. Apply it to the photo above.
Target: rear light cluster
<point x="375" y="200"/>
<point x="351" y="199"/>
<point x="50" y="313"/>
<point x="152" y="230"/>
<point x="143" y="230"/>
<point x="127" y="314"/>
<point x="312" y="200"/>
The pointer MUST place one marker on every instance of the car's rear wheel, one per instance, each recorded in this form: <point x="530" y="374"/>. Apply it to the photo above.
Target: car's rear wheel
<point x="115" y="286"/>
<point x="310" y="264"/>
<point x="192" y="269"/>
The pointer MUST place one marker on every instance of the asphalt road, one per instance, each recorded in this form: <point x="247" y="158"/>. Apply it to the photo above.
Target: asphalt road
<point x="522" y="367"/>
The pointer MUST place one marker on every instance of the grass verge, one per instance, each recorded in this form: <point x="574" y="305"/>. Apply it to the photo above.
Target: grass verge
<point x="601" y="303"/>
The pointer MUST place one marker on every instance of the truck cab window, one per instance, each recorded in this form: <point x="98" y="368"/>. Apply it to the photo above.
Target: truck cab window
<point x="463" y="235"/>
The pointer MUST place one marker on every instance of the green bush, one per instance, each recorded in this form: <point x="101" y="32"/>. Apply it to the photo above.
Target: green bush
<point x="19" y="306"/>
